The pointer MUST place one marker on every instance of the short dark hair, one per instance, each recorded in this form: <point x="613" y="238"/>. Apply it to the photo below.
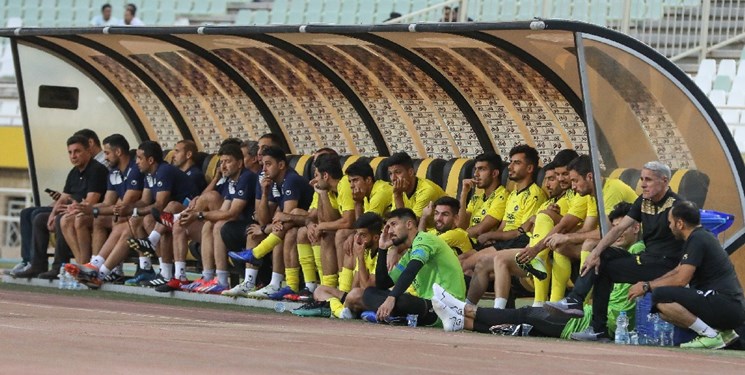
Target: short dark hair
<point x="231" y="150"/>
<point x="117" y="141"/>
<point x="494" y="160"/>
<point x="400" y="158"/>
<point x="564" y="157"/>
<point x="620" y="210"/>
<point x="688" y="212"/>
<point x="360" y="168"/>
<point x="549" y="167"/>
<point x="531" y="154"/>
<point x="231" y="140"/>
<point x="581" y="164"/>
<point x="370" y="221"/>
<point x="402" y="213"/>
<point x="103" y="7"/>
<point x="83" y="141"/>
<point x="329" y="163"/>
<point x="132" y="8"/>
<point x="327" y="150"/>
<point x="152" y="149"/>
<point x="89" y="134"/>
<point x="451" y="202"/>
<point x="276" y="140"/>
<point x="190" y="146"/>
<point x="275" y="153"/>
<point x="251" y="146"/>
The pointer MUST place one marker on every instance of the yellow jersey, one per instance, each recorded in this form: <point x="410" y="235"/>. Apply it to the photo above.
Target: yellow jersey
<point x="615" y="191"/>
<point x="521" y="205"/>
<point x="577" y="204"/>
<point x="493" y="205"/>
<point x="370" y="261"/>
<point x="456" y="238"/>
<point x="425" y="191"/>
<point x="342" y="194"/>
<point x="381" y="198"/>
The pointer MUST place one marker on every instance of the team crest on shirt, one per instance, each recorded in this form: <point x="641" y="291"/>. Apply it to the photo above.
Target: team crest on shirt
<point x="685" y="256"/>
<point x="240" y="193"/>
<point x="134" y="182"/>
<point x="160" y="183"/>
<point x="288" y="192"/>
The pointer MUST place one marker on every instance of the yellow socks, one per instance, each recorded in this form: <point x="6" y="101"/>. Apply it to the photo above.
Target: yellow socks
<point x="292" y="277"/>
<point x="317" y="258"/>
<point x="330" y="280"/>
<point x="561" y="272"/>
<point x="266" y="246"/>
<point x="346" y="276"/>
<point x="307" y="263"/>
<point x="541" y="286"/>
<point x="336" y="306"/>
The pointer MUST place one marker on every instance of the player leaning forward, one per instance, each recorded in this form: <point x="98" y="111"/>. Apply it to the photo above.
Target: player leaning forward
<point x="426" y="259"/>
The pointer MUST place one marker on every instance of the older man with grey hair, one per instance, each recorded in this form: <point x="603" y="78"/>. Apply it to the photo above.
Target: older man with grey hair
<point x="606" y="265"/>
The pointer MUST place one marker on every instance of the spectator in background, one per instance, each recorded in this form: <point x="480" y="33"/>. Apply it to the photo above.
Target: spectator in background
<point x="94" y="145"/>
<point x="251" y="156"/>
<point x="393" y="16"/>
<point x="130" y="16"/>
<point x="105" y="18"/>
<point x="448" y="15"/>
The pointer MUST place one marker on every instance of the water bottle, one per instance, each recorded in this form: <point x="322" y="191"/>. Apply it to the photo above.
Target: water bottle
<point x="622" y="333"/>
<point x="279" y="307"/>
<point x="654" y="337"/>
<point x="665" y="333"/>
<point x="62" y="284"/>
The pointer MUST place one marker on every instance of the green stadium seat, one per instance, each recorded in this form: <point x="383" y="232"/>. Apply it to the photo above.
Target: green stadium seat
<point x="201" y="7"/>
<point x="723" y="83"/>
<point x="314" y="11"/>
<point x="218" y="7"/>
<point x="331" y="10"/>
<point x="365" y="12"/>
<point x="260" y="17"/>
<point x="562" y="9"/>
<point x="508" y="11"/>
<point x="244" y="17"/>
<point x="151" y="17"/>
<point x="183" y="6"/>
<point x="655" y="10"/>
<point x="638" y="10"/>
<point x="14" y="9"/>
<point x="599" y="13"/>
<point x="65" y="16"/>
<point x="383" y="10"/>
<point x="348" y="14"/>
<point x="581" y="10"/>
<point x="48" y="17"/>
<point x="296" y="13"/>
<point x="529" y="9"/>
<point x="278" y="15"/>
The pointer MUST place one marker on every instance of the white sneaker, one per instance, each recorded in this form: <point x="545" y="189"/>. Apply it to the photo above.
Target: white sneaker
<point x="264" y="292"/>
<point x="452" y="318"/>
<point x="20" y="267"/>
<point x="446" y="298"/>
<point x="240" y="290"/>
<point x="346" y="314"/>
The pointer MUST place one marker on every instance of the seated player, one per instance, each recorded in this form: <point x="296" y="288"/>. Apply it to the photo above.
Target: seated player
<point x="203" y="222"/>
<point x="341" y="304"/>
<point x="88" y="226"/>
<point x="457" y="315"/>
<point x="410" y="191"/>
<point x="163" y="183"/>
<point x="426" y="259"/>
<point x="484" y="211"/>
<point x="445" y="212"/>
<point x="288" y="210"/>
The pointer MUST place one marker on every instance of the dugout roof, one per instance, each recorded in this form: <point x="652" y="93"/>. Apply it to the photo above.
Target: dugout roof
<point x="433" y="90"/>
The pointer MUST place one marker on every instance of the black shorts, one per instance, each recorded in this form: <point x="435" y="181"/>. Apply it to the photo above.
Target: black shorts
<point x="717" y="310"/>
<point x="518" y="242"/>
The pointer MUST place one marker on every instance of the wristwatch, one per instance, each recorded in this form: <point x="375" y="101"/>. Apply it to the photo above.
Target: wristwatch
<point x="646" y="287"/>
<point x="95" y="212"/>
<point x="200" y="216"/>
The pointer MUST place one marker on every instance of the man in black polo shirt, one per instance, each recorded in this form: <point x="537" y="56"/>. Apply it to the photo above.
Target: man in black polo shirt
<point x="607" y="265"/>
<point x="86" y="183"/>
<point x="714" y="304"/>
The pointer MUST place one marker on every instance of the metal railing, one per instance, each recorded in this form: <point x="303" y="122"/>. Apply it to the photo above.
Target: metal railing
<point x="676" y="28"/>
<point x="17" y="199"/>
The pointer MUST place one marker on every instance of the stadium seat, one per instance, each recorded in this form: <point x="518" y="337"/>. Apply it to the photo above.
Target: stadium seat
<point x="707" y="68"/>
<point x="151" y="17"/>
<point x="728" y="68"/>
<point x="740" y="139"/>
<point x="302" y="164"/>
<point x="581" y="10"/>
<point x="455" y="170"/>
<point x="365" y="12"/>
<point x="599" y="13"/>
<point x="691" y="184"/>
<point x="561" y="9"/>
<point x="278" y="14"/>
<point x="718" y="97"/>
<point x="348" y="14"/>
<point x="296" y="13"/>
<point x="183" y="6"/>
<point x="331" y="9"/>
<point x="508" y="10"/>
<point x="201" y="7"/>
<point x="638" y="10"/>
<point x="314" y="11"/>
<point x="218" y="7"/>
<point x="655" y="10"/>
<point x="529" y="9"/>
<point x="243" y="17"/>
<point x="730" y="116"/>
<point x="723" y="83"/>
<point x="431" y="169"/>
<point x="736" y="98"/>
<point x="383" y="10"/>
<point x="260" y="17"/>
